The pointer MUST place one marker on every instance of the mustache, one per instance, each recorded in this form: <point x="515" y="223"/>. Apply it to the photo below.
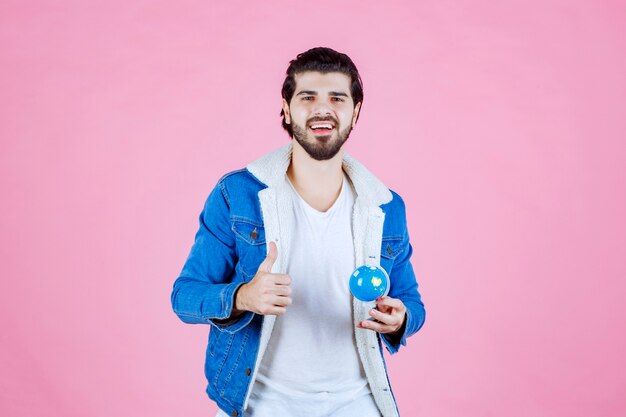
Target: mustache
<point x="322" y="119"/>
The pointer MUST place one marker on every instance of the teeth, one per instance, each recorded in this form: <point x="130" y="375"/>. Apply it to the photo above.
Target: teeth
<point x="322" y="126"/>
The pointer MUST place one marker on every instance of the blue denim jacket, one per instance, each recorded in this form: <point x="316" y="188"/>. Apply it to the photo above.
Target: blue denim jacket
<point x="246" y="210"/>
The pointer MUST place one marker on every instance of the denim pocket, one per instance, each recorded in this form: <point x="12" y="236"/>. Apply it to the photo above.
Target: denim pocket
<point x="389" y="249"/>
<point x="214" y="337"/>
<point x="249" y="231"/>
<point x="221" y="349"/>
<point x="251" y="249"/>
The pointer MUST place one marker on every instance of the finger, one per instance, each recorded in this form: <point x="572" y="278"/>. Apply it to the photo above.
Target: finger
<point x="268" y="262"/>
<point x="281" y="279"/>
<point x="280" y="300"/>
<point x="275" y="311"/>
<point x="384" y="308"/>
<point x="389" y="319"/>
<point x="280" y="290"/>
<point x="377" y="327"/>
<point x="390" y="302"/>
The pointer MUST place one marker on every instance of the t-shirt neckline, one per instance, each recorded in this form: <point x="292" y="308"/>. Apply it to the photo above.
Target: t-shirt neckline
<point x="332" y="208"/>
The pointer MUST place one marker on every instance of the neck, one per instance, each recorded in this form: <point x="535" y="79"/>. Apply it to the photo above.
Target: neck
<point x="318" y="182"/>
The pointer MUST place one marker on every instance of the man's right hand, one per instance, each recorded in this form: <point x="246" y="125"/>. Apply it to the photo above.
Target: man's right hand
<point x="266" y="293"/>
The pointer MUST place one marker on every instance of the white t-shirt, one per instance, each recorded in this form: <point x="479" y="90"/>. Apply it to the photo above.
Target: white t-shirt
<point x="311" y="366"/>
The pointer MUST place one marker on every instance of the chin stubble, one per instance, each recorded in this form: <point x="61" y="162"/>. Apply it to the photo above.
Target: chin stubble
<point x="318" y="150"/>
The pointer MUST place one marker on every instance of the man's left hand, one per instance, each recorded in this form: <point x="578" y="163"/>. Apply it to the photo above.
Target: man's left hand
<point x="389" y="316"/>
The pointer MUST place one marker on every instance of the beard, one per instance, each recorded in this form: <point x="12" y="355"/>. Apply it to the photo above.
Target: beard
<point x="320" y="148"/>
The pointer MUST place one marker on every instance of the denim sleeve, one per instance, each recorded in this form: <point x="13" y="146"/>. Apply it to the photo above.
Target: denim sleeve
<point x="404" y="287"/>
<point x="204" y="293"/>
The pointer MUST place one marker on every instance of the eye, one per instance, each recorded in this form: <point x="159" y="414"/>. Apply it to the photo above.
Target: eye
<point x="307" y="98"/>
<point x="337" y="99"/>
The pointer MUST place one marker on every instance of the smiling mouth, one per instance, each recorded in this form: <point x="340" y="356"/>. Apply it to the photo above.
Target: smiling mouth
<point x="322" y="128"/>
<point x="322" y="132"/>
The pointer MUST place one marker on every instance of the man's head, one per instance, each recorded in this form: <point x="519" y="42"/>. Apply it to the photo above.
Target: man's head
<point x="322" y="86"/>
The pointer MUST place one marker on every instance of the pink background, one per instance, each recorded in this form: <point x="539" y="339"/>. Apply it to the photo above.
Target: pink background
<point x="501" y="123"/>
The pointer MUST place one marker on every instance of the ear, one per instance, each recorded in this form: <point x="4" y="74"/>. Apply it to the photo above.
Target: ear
<point x="286" y="111"/>
<point x="355" y="115"/>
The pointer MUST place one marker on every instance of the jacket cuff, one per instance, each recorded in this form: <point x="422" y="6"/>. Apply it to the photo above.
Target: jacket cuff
<point x="227" y="296"/>
<point x="393" y="343"/>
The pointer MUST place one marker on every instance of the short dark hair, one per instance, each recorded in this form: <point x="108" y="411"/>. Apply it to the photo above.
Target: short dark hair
<point x="322" y="60"/>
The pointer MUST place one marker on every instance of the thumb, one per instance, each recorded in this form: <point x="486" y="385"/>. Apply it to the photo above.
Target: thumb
<point x="268" y="262"/>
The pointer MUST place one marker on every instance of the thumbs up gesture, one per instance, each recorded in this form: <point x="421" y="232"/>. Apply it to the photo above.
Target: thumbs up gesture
<point x="266" y="293"/>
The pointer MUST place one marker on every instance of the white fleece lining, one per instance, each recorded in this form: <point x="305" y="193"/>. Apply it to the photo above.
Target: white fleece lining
<point x="368" y="219"/>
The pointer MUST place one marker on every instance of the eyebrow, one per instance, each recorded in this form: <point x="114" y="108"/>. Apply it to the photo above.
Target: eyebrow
<point x="314" y="93"/>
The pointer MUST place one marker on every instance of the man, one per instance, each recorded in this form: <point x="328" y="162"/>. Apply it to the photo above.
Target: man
<point x="271" y="262"/>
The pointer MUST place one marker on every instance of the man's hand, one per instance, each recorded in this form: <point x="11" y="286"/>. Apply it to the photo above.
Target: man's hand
<point x="390" y="317"/>
<point x="266" y="293"/>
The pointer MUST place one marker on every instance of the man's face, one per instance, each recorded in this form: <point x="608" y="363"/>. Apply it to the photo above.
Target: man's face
<point x="321" y="112"/>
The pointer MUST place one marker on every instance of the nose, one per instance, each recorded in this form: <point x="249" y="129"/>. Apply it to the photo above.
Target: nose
<point x="322" y="109"/>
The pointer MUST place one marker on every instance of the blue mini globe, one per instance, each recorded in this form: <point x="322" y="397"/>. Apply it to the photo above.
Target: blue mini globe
<point x="369" y="282"/>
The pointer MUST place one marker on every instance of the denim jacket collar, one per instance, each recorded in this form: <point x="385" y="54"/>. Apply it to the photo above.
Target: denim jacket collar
<point x="271" y="168"/>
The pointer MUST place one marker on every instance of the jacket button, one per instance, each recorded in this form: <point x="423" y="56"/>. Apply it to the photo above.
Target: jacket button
<point x="248" y="371"/>
<point x="254" y="234"/>
<point x="235" y="413"/>
<point x="389" y="251"/>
